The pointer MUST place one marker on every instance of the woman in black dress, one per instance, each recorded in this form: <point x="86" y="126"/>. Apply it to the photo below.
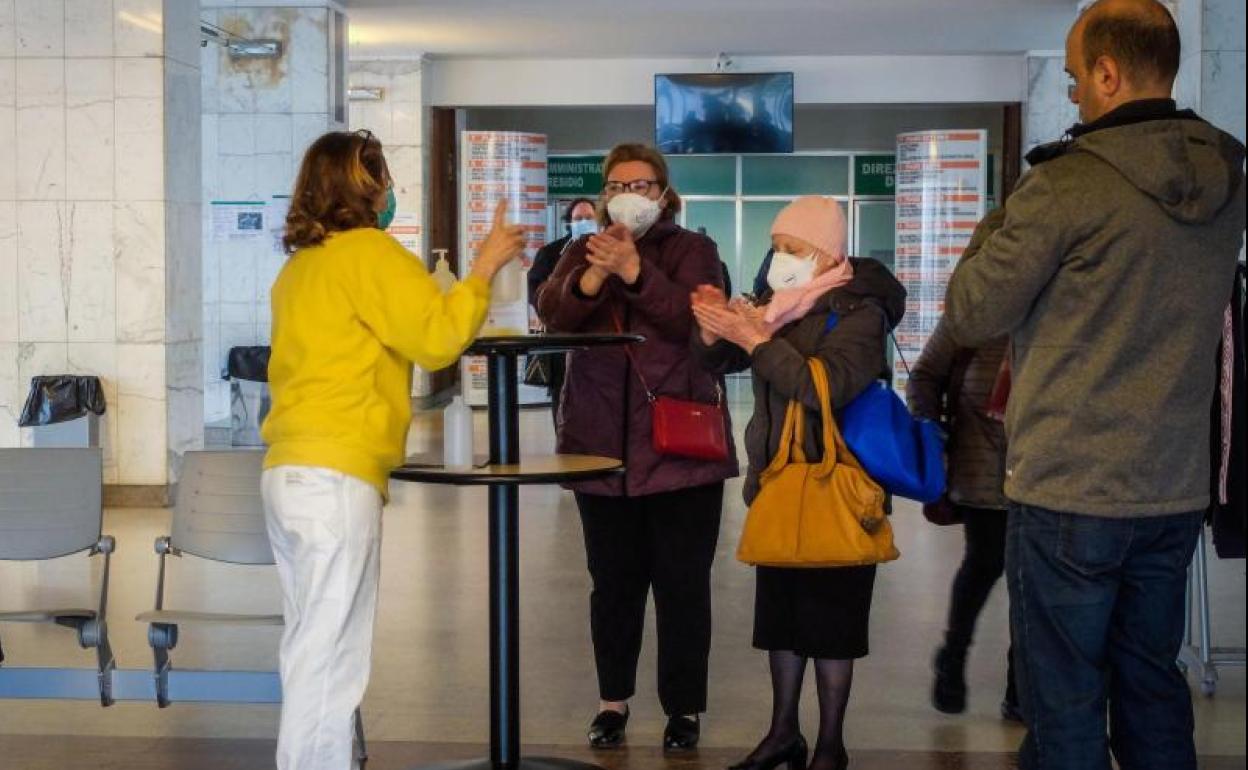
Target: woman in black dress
<point x="821" y="304"/>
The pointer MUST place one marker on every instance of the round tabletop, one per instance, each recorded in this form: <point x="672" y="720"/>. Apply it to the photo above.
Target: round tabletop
<point x="538" y="469"/>
<point x="547" y="343"/>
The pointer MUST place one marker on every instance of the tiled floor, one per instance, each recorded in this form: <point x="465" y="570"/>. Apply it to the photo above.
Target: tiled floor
<point x="429" y="684"/>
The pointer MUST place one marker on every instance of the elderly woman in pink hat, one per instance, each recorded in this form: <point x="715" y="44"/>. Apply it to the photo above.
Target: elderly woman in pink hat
<point x="821" y="303"/>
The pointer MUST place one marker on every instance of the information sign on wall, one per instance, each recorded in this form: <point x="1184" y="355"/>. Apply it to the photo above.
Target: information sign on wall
<point x="508" y="166"/>
<point x="575" y="176"/>
<point x="941" y="190"/>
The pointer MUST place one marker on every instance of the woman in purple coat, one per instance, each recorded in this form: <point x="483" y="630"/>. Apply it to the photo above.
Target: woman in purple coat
<point x="655" y="527"/>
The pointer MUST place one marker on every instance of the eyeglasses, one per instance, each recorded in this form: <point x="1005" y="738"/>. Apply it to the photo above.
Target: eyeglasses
<point x="639" y="186"/>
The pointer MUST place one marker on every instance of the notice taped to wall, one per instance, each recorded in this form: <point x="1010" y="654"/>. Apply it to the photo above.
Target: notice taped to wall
<point x="239" y="220"/>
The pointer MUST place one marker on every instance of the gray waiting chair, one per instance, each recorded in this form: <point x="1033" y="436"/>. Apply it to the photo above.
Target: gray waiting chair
<point x="51" y="506"/>
<point x="218" y="514"/>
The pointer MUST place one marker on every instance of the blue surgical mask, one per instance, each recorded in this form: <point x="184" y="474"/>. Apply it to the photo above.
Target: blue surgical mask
<point x="580" y="228"/>
<point x="386" y="216"/>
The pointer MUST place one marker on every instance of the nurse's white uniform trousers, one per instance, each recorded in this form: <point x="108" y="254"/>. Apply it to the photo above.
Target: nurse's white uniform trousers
<point x="325" y="529"/>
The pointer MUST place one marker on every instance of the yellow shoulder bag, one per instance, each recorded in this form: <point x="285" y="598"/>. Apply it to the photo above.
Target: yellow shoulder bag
<point x="826" y="514"/>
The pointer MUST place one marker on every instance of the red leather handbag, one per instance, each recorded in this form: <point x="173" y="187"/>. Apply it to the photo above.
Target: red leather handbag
<point x="688" y="428"/>
<point x="680" y="427"/>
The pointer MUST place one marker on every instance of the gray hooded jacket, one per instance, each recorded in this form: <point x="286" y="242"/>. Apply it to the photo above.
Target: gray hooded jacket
<point x="1111" y="274"/>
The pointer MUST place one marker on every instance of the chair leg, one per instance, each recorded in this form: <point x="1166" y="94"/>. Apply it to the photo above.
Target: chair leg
<point x="163" y="637"/>
<point x="105" y="664"/>
<point x="93" y="634"/>
<point x="361" y="748"/>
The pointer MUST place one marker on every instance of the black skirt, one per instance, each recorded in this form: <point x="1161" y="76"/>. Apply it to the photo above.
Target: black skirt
<point x="816" y="613"/>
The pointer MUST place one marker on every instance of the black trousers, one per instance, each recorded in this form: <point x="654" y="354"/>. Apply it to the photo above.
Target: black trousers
<point x="983" y="564"/>
<point x="665" y="542"/>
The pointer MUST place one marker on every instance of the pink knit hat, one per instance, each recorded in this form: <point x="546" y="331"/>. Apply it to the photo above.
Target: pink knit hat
<point x="816" y="220"/>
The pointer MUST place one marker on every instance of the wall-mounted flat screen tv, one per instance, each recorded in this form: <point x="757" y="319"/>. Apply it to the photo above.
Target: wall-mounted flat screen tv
<point x="724" y="112"/>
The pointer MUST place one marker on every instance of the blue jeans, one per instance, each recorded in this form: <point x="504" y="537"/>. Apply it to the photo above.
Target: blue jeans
<point x="1097" y="616"/>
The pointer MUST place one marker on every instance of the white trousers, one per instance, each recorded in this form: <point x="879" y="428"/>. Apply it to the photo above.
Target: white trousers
<point x="325" y="529"/>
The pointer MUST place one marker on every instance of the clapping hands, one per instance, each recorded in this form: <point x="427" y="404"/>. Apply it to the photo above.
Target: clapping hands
<point x="737" y="321"/>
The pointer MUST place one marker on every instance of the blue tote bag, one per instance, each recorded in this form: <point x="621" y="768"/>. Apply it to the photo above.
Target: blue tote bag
<point x="902" y="453"/>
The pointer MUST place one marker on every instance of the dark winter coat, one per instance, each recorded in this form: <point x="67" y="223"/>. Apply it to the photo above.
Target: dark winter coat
<point x="854" y="353"/>
<point x="604" y="408"/>
<point x="952" y="384"/>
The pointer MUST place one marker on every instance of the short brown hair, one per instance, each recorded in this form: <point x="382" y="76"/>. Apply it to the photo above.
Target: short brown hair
<point x="625" y="153"/>
<point x="342" y="176"/>
<point x="1140" y="36"/>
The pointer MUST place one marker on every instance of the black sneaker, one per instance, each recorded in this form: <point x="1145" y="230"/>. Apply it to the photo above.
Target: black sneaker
<point x="949" y="687"/>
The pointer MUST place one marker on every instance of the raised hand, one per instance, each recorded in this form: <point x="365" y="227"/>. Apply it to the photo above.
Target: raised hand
<point x="504" y="243"/>
<point x="745" y="329"/>
<point x="614" y="252"/>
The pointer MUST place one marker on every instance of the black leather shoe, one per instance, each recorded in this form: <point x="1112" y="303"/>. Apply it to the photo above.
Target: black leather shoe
<point x="607" y="729"/>
<point x="682" y="733"/>
<point x="792" y="757"/>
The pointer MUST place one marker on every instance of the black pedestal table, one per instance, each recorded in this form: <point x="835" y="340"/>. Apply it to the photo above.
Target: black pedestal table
<point x="504" y="474"/>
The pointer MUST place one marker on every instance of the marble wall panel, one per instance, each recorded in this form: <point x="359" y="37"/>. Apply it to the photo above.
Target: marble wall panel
<point x="40" y="105"/>
<point x="90" y="129"/>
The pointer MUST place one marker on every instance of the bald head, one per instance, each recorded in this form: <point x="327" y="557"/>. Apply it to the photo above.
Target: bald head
<point x="1120" y="51"/>
<point x="1139" y="35"/>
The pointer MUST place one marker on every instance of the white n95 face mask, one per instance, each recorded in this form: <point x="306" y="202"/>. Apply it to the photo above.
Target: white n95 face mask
<point x="636" y="212"/>
<point x="790" y="272"/>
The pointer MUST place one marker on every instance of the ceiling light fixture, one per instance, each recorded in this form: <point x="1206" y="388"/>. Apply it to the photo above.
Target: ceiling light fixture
<point x="239" y="47"/>
<point x="366" y="94"/>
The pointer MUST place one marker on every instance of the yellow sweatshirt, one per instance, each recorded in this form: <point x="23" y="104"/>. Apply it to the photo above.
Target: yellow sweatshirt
<point x="349" y="318"/>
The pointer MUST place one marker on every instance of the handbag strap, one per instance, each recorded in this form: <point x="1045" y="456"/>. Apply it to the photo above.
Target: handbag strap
<point x="628" y="351"/>
<point x="793" y="435"/>
<point x="834" y="448"/>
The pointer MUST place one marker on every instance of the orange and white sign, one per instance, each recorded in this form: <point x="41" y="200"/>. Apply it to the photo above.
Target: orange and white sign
<point x="942" y="185"/>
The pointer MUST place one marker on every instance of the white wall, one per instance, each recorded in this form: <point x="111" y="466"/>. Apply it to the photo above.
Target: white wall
<point x="259" y="116"/>
<point x="818" y="79"/>
<point x="99" y="234"/>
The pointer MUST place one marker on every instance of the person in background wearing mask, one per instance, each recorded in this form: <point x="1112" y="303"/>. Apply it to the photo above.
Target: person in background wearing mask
<point x="1111" y="276"/>
<point x="580" y="219"/>
<point x="352" y="311"/>
<point x="804" y="614"/>
<point x="656" y="527"/>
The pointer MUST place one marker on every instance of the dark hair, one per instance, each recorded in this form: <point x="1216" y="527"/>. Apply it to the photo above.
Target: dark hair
<point x="567" y="213"/>
<point x="1143" y="40"/>
<point x="625" y="153"/>
<point x="342" y="176"/>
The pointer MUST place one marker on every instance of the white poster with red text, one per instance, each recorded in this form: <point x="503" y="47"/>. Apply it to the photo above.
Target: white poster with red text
<point x="508" y="166"/>
<point x="942" y="187"/>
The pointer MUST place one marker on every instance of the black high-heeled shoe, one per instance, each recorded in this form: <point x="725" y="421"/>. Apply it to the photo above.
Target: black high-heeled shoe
<point x="607" y="729"/>
<point x="682" y="733"/>
<point x="792" y="756"/>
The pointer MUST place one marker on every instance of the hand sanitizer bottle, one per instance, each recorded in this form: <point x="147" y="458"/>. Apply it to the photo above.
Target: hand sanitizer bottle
<point x="442" y="271"/>
<point x="457" y="435"/>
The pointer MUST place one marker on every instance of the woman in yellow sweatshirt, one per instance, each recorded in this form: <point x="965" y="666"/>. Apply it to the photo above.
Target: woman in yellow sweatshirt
<point x="352" y="311"/>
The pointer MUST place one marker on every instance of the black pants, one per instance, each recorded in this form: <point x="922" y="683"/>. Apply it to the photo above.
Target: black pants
<point x="982" y="566"/>
<point x="665" y="541"/>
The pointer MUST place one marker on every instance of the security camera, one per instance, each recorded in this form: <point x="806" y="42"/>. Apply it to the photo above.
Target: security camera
<point x="724" y="63"/>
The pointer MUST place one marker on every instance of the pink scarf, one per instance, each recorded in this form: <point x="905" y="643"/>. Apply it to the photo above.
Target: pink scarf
<point x="788" y="305"/>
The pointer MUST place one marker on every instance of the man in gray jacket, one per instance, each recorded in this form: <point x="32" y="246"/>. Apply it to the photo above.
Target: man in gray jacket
<point x="1111" y="274"/>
